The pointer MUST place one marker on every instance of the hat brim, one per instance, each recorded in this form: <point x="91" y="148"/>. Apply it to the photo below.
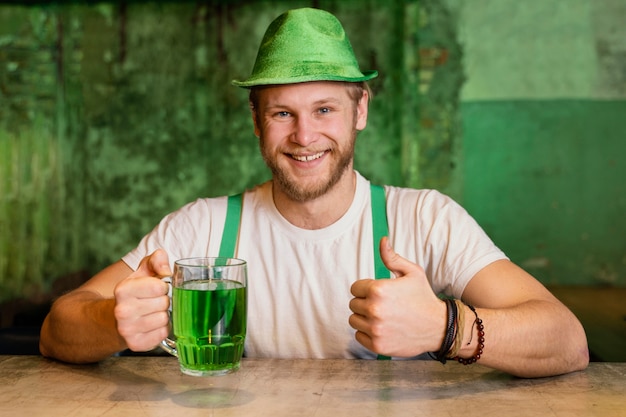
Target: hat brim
<point x="258" y="81"/>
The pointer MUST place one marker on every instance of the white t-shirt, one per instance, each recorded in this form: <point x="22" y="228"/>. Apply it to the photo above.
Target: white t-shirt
<point x="299" y="280"/>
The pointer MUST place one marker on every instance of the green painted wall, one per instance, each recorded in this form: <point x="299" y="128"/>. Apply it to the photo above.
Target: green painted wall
<point x="546" y="180"/>
<point x="543" y="121"/>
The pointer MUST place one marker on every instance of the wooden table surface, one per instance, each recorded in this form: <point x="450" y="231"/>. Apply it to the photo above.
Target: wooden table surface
<point x="153" y="386"/>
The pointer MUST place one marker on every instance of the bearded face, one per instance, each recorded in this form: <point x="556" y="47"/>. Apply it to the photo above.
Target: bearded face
<point x="307" y="135"/>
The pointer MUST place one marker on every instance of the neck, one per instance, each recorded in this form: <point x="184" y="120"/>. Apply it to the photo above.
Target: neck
<point x="322" y="211"/>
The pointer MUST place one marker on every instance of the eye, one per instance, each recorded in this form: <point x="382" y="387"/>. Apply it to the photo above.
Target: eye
<point x="323" y="110"/>
<point x="283" y="114"/>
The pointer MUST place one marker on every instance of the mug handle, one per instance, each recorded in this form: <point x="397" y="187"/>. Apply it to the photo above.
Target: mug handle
<point x="168" y="344"/>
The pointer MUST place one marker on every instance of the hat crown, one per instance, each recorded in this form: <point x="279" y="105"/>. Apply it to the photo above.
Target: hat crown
<point x="305" y="45"/>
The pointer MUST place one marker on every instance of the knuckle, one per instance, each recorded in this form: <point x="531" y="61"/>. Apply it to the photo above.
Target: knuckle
<point x="163" y="333"/>
<point x="378" y="289"/>
<point x="375" y="311"/>
<point x="163" y="319"/>
<point x="165" y="302"/>
<point x="377" y="332"/>
<point x="133" y="344"/>
<point x="125" y="331"/>
<point x="121" y="311"/>
<point x="119" y="292"/>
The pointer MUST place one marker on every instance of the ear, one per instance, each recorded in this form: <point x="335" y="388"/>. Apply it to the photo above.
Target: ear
<point x="361" y="111"/>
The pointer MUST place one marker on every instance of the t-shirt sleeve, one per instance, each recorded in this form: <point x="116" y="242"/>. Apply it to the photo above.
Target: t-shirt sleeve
<point x="443" y="239"/>
<point x="191" y="231"/>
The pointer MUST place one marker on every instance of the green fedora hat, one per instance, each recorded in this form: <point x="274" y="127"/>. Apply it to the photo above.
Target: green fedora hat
<point x="305" y="45"/>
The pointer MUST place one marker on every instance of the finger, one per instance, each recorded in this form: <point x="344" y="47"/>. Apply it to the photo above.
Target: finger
<point x="146" y="306"/>
<point x="140" y="318"/>
<point x="140" y="287"/>
<point x="155" y="265"/>
<point x="129" y="327"/>
<point x="394" y="262"/>
<point x="155" y="321"/>
<point x="358" y="306"/>
<point x="136" y="309"/>
<point x="360" y="288"/>
<point x="358" y="322"/>
<point x="142" y="342"/>
<point x="364" y="339"/>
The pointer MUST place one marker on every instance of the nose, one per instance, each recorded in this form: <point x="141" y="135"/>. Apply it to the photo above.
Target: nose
<point x="304" y="132"/>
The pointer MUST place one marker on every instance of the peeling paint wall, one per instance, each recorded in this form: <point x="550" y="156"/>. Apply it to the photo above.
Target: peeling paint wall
<point x="135" y="102"/>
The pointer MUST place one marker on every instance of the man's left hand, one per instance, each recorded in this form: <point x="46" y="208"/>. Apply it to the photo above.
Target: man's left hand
<point x="399" y="317"/>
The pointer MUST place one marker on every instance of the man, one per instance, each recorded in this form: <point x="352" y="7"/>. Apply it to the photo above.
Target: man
<point x="308" y="236"/>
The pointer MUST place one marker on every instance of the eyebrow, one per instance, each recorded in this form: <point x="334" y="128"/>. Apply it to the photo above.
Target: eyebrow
<point x="315" y="103"/>
<point x="327" y="100"/>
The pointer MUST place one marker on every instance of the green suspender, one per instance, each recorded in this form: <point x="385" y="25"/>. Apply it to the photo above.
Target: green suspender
<point x="380" y="229"/>
<point x="231" y="227"/>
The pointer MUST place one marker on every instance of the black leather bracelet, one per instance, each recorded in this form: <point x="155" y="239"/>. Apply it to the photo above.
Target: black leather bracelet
<point x="448" y="340"/>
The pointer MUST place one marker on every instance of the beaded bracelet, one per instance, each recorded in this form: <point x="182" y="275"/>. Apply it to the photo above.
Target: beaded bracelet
<point x="481" y="340"/>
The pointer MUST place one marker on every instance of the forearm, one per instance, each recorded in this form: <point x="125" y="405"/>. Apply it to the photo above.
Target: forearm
<point x="536" y="338"/>
<point x="81" y="328"/>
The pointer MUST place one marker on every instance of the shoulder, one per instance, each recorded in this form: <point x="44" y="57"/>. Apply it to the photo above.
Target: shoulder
<point x="417" y="194"/>
<point x="216" y="206"/>
<point x="423" y="202"/>
<point x="199" y="210"/>
<point x="395" y="194"/>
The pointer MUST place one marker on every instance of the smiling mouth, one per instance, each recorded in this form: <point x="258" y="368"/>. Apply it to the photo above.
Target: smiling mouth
<point x="308" y="158"/>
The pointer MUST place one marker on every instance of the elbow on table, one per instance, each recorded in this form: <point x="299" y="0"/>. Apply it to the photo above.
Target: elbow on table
<point x="571" y="346"/>
<point x="60" y="339"/>
<point x="49" y="345"/>
<point x="574" y="356"/>
<point x="581" y="354"/>
<point x="52" y="347"/>
<point x="579" y="351"/>
<point x="567" y="353"/>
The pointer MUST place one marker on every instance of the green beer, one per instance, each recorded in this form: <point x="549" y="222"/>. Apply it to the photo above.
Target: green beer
<point x="209" y="318"/>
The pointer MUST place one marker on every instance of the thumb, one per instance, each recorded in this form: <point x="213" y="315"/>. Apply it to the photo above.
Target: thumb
<point x="398" y="265"/>
<point x="154" y="265"/>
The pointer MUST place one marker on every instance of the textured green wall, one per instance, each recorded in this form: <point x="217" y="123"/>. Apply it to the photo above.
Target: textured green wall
<point x="135" y="104"/>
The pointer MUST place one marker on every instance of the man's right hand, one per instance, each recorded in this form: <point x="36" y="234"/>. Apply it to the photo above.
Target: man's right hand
<point x="141" y="303"/>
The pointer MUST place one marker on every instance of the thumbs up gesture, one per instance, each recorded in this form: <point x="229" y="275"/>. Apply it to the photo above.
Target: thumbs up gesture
<point x="401" y="316"/>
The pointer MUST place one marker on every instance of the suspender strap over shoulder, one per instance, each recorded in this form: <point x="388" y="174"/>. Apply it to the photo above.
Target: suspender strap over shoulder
<point x="231" y="226"/>
<point x="379" y="227"/>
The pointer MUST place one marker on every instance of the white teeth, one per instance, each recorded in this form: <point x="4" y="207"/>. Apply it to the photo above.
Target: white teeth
<point x="307" y="158"/>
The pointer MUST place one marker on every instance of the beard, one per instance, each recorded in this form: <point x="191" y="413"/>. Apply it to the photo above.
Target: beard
<point x="301" y="191"/>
